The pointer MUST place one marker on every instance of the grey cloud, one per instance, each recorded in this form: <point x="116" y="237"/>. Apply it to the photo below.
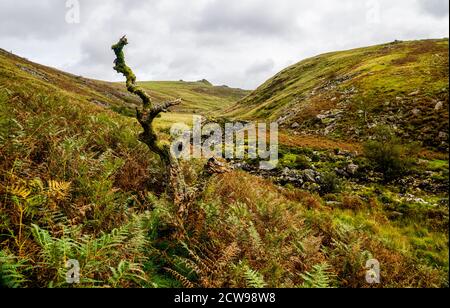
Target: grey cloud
<point x="43" y="19"/>
<point x="240" y="43"/>
<point x="261" y="67"/>
<point x="246" y="17"/>
<point x="437" y="8"/>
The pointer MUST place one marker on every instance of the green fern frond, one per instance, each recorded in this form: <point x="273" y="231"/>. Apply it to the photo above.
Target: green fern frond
<point x="319" y="278"/>
<point x="254" y="279"/>
<point x="125" y="272"/>
<point x="123" y="248"/>
<point x="255" y="238"/>
<point x="11" y="271"/>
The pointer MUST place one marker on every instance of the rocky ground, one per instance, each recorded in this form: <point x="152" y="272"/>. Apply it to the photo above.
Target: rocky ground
<point x="425" y="184"/>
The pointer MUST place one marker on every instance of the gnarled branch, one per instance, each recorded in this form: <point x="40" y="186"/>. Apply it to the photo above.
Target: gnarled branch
<point x="145" y="117"/>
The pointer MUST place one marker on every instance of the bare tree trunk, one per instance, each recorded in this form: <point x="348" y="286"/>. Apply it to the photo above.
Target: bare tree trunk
<point x="145" y="116"/>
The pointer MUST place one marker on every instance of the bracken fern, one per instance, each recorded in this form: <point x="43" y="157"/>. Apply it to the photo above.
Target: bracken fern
<point x="319" y="278"/>
<point x="11" y="271"/>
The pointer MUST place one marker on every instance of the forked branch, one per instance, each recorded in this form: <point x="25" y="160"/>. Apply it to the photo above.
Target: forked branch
<point x="145" y="116"/>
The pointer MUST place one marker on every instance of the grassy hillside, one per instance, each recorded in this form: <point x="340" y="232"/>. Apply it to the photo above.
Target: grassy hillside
<point x="198" y="97"/>
<point x="76" y="184"/>
<point x="346" y="94"/>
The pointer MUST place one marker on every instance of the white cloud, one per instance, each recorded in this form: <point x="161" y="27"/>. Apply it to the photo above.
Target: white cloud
<point x="236" y="42"/>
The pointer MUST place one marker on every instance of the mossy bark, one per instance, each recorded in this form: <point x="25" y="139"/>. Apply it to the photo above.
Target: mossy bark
<point x="145" y="116"/>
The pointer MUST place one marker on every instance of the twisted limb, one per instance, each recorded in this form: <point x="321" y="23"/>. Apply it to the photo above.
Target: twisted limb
<point x="145" y="116"/>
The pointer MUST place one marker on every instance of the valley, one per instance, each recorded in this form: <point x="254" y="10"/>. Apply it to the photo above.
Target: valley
<point x="363" y="174"/>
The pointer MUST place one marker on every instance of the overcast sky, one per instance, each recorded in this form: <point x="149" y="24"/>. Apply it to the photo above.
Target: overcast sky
<point x="239" y="43"/>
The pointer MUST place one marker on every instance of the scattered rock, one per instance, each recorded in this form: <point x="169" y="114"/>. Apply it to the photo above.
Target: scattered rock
<point x="329" y="129"/>
<point x="339" y="152"/>
<point x="243" y="165"/>
<point x="311" y="176"/>
<point x="439" y="106"/>
<point x="412" y="198"/>
<point x="414" y="93"/>
<point x="295" y="125"/>
<point x="395" y="215"/>
<point x="333" y="204"/>
<point x="443" y="136"/>
<point x="352" y="169"/>
<point x="342" y="173"/>
<point x="291" y="176"/>
<point x="216" y="166"/>
<point x="100" y="103"/>
<point x="416" y="112"/>
<point x="33" y="72"/>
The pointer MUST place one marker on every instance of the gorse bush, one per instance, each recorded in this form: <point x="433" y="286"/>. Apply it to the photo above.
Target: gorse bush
<point x="388" y="155"/>
<point x="330" y="183"/>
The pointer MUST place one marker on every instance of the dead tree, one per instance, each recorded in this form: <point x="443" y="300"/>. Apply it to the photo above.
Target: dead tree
<point x="145" y="116"/>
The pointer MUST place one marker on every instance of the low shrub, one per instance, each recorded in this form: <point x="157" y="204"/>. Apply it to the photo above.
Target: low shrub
<point x="389" y="155"/>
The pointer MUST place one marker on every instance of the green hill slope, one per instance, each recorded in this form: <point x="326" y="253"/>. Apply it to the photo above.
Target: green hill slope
<point x="345" y="94"/>
<point x="198" y="97"/>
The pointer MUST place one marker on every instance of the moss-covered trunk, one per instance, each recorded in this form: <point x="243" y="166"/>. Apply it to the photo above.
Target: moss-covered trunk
<point x="177" y="186"/>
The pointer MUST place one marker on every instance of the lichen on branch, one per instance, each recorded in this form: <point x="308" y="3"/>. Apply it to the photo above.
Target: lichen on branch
<point x="145" y="117"/>
<point x="121" y="67"/>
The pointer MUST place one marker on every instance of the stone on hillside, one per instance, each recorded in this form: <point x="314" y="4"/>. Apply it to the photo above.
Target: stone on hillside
<point x="416" y="112"/>
<point x="341" y="172"/>
<point x="333" y="203"/>
<point x="414" y="93"/>
<point x="295" y="125"/>
<point x="310" y="175"/>
<point x="291" y="176"/>
<point x="352" y="169"/>
<point x="394" y="215"/>
<point x="33" y="72"/>
<point x="443" y="136"/>
<point x="100" y="103"/>
<point x="329" y="129"/>
<point x="439" y="106"/>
